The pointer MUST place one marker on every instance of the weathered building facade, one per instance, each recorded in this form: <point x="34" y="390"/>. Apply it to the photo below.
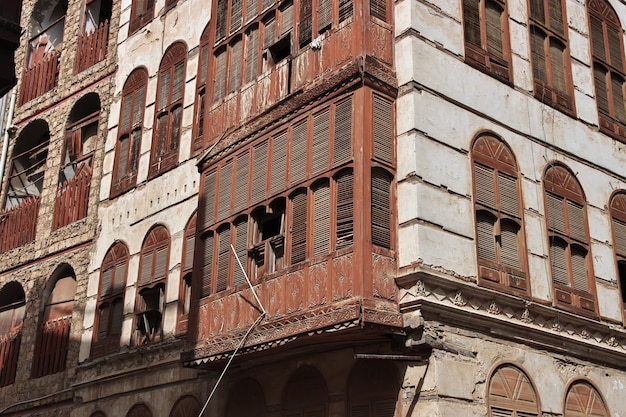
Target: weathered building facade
<point x="353" y="208"/>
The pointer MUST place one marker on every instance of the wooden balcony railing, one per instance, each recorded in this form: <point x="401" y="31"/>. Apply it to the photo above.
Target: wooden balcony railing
<point x="40" y="78"/>
<point x="9" y="351"/>
<point x="18" y="224"/>
<point x="92" y="47"/>
<point x="51" y="349"/>
<point x="72" y="198"/>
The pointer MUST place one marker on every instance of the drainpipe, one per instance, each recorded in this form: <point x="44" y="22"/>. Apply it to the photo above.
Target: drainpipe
<point x="6" y="126"/>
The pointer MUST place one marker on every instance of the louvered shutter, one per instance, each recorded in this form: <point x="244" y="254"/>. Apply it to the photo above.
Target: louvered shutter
<point x="617" y="86"/>
<point x="485" y="190"/>
<point x="126" y="113"/>
<point x="602" y="97"/>
<point x="508" y="194"/>
<point x="298" y="227"/>
<point x="177" y="116"/>
<point x="106" y="282"/>
<point x="345" y="10"/>
<point x="471" y="22"/>
<point x="576" y="221"/>
<point x="252" y="54"/>
<point x="235" y="15"/>
<point x="279" y="162"/>
<point x="259" y="173"/>
<point x="321" y="132"/>
<point x="286" y="19"/>
<point x="103" y="321"/>
<point x="241" y="182"/>
<point x="207" y="264"/>
<point x="119" y="279"/>
<point x="509" y="248"/>
<point x="559" y="261"/>
<point x="179" y="82"/>
<point x="208" y="199"/>
<point x="224" y="194"/>
<point x="298" y="152"/>
<point x="555" y="9"/>
<point x="160" y="265"/>
<point x="220" y="25"/>
<point x="235" y="66"/>
<point x="117" y="318"/>
<point x="146" y="268"/>
<point x="537" y="40"/>
<point x="305" y="24"/>
<point x="493" y="17"/>
<point x="252" y="9"/>
<point x="164" y="89"/>
<point x="619" y="228"/>
<point x="220" y="75"/>
<point x="189" y="251"/>
<point x="597" y="38"/>
<point x="615" y="48"/>
<point x="122" y="163"/>
<point x="138" y="104"/>
<point x="557" y="52"/>
<point x="321" y="219"/>
<point x="500" y="412"/>
<point x="384" y="408"/>
<point x="267" y="4"/>
<point x="241" y="247"/>
<point x="486" y="241"/>
<point x="269" y="32"/>
<point x="343" y="131"/>
<point x="360" y="410"/>
<point x="556" y="218"/>
<point x="324" y="15"/>
<point x="134" y="154"/>
<point x="537" y="11"/>
<point x="579" y="267"/>
<point x="202" y="64"/>
<point x="383" y="129"/>
<point x="345" y="208"/>
<point x="223" y="258"/>
<point x="380" y="209"/>
<point x="378" y="9"/>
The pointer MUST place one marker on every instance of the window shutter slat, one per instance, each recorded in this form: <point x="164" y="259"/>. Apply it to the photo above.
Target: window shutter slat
<point x="378" y="9"/>
<point x="345" y="208"/>
<point x="119" y="278"/>
<point x="117" y="318"/>
<point x="537" y="11"/>
<point x="306" y="24"/>
<point x="259" y="172"/>
<point x="493" y="13"/>
<point x="298" y="228"/>
<point x="619" y="228"/>
<point x="617" y="86"/>
<point x="321" y="139"/>
<point x="269" y="32"/>
<point x="179" y="82"/>
<point x="127" y="106"/>
<point x="235" y="15"/>
<point x="486" y="241"/>
<point x="383" y="130"/>
<point x="226" y="179"/>
<point x="556" y="216"/>
<point x="160" y="266"/>
<point x="321" y="219"/>
<point x="286" y="20"/>
<point x="508" y="194"/>
<point x="235" y="66"/>
<point x="164" y="89"/>
<point x="241" y="183"/>
<point x="223" y="258"/>
<point x="241" y="247"/>
<point x="471" y="22"/>
<point x="555" y="9"/>
<point x="279" y="162"/>
<point x="485" y="191"/>
<point x="106" y="282"/>
<point x="557" y="50"/>
<point x="615" y="48"/>
<point x="209" y="199"/>
<point x="220" y="25"/>
<point x="324" y="15"/>
<point x="252" y="9"/>
<point x="140" y="97"/>
<point x="380" y="209"/>
<point x="579" y="268"/>
<point x="146" y="268"/>
<point x="602" y="97"/>
<point x="202" y="66"/>
<point x="597" y="38"/>
<point x="559" y="262"/>
<point x="343" y="131"/>
<point x="252" y="55"/>
<point x="189" y="250"/>
<point x="509" y="253"/>
<point x="345" y="10"/>
<point x="207" y="264"/>
<point x="220" y="75"/>
<point x="298" y="152"/>
<point x="103" y="322"/>
<point x="576" y="221"/>
<point x="123" y="159"/>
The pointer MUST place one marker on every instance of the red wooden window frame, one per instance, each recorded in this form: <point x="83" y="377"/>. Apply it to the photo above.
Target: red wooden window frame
<point x="584" y="400"/>
<point x="167" y="130"/>
<point x="151" y="286"/>
<point x="12" y="309"/>
<point x="486" y="32"/>
<point x="607" y="55"/>
<point x="511" y="392"/>
<point x="186" y="269"/>
<point x="568" y="238"/>
<point x="110" y="305"/>
<point x="141" y="12"/>
<point x="499" y="215"/>
<point x="129" y="133"/>
<point x="617" y="207"/>
<point x="550" y="54"/>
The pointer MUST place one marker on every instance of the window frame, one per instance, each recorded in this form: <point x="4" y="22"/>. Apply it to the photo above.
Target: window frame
<point x="186" y="271"/>
<point x="141" y="13"/>
<point x="499" y="401"/>
<point x="617" y="210"/>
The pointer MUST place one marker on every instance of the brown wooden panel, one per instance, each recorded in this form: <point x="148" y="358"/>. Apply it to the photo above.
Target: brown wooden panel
<point x="342" y="275"/>
<point x="274" y="290"/>
<point x="383" y="272"/>
<point x="294" y="291"/>
<point x="318" y="284"/>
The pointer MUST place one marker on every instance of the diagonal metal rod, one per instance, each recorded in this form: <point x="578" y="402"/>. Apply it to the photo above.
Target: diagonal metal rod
<point x="248" y="280"/>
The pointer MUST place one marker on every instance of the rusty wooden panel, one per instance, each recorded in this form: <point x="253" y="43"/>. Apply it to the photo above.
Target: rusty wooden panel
<point x="275" y="297"/>
<point x="92" y="47"/>
<point x="248" y="108"/>
<point x="380" y="42"/>
<point x="230" y="106"/>
<point x="383" y="268"/>
<point x="342" y="277"/>
<point x="301" y="69"/>
<point x="204" y="320"/>
<point x="282" y="79"/>
<point x="263" y="90"/>
<point x="342" y="45"/>
<point x="318" y="284"/>
<point x="216" y="125"/>
<point x="294" y="291"/>
<point x="325" y="56"/>
<point x="232" y="318"/>
<point x="216" y="316"/>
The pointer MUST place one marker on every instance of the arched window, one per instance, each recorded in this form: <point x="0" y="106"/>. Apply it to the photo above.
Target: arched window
<point x="53" y="335"/>
<point x="184" y="293"/>
<point x="583" y="400"/>
<point x="618" y="219"/>
<point x="373" y="389"/>
<point x="47" y="24"/>
<point x="141" y="12"/>
<point x="550" y="53"/>
<point x="110" y="306"/>
<point x="486" y="30"/>
<point x="607" y="54"/>
<point x="81" y="140"/>
<point x="186" y="406"/>
<point x="168" y="110"/>
<point x="512" y="394"/>
<point x="499" y="233"/>
<point x="139" y="410"/>
<point x="572" y="271"/>
<point x="150" y="301"/>
<point x="129" y="132"/>
<point x="305" y="394"/>
<point x="246" y="399"/>
<point x="12" y="310"/>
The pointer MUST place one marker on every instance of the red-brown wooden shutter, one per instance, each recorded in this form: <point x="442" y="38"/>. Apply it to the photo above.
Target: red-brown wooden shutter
<point x="380" y="209"/>
<point x="321" y="218"/>
<point x="557" y="54"/>
<point x="509" y="248"/>
<point x="189" y="250"/>
<point x="597" y="38"/>
<point x="511" y="394"/>
<point x="537" y="45"/>
<point x="269" y="31"/>
<point x="259" y="173"/>
<point x="343" y="131"/>
<point x="122" y="164"/>
<point x="471" y="22"/>
<point x="202" y="64"/>
<point x="103" y="321"/>
<point x="617" y="86"/>
<point x="298" y="152"/>
<point x="615" y="48"/>
<point x="345" y="10"/>
<point x="235" y="65"/>
<point x="485" y="236"/>
<point x="164" y="89"/>
<point x="207" y="264"/>
<point x="298" y="226"/>
<point x="324" y="15"/>
<point x="485" y="186"/>
<point x="345" y="210"/>
<point x="119" y="279"/>
<point x="252" y="54"/>
<point x="383" y="129"/>
<point x="223" y="259"/>
<point x="508" y="194"/>
<point x="241" y="182"/>
<point x="619" y="228"/>
<point x="235" y="15"/>
<point x="602" y="97"/>
<point x="208" y="200"/>
<point x="378" y="9"/>
<point x="179" y="82"/>
<point x="125" y="118"/>
<point x="267" y="4"/>
<point x="225" y="190"/>
<point x="146" y="268"/>
<point x="493" y="17"/>
<point x="286" y="19"/>
<point x="559" y="261"/>
<point x="160" y="264"/>
<point x="117" y="318"/>
<point x="305" y="24"/>
<point x="583" y="400"/>
<point x="279" y="162"/>
<point x="252" y="9"/>
<point x="556" y="217"/>
<point x="321" y="139"/>
<point x="579" y="267"/>
<point x="138" y="105"/>
<point x="576" y="221"/>
<point x="106" y="282"/>
<point x="220" y="74"/>
<point x="220" y="24"/>
<point x="241" y="247"/>
<point x="555" y="10"/>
